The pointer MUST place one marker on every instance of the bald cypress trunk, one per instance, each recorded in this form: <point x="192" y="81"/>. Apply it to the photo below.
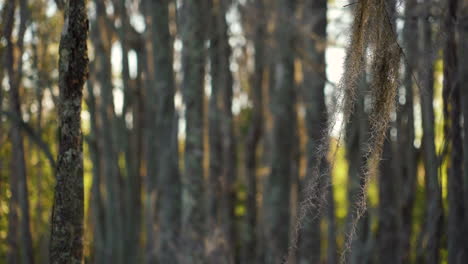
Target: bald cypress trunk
<point x="193" y="67"/>
<point x="67" y="217"/>
<point x="278" y="184"/>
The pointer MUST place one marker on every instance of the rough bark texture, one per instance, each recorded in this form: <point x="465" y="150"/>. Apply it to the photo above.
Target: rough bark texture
<point x="169" y="202"/>
<point x="193" y="66"/>
<point x="316" y="118"/>
<point x="457" y="253"/>
<point x="278" y="185"/>
<point x="67" y="217"/>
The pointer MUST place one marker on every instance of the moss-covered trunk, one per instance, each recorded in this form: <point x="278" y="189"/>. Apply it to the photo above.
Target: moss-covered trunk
<point x="67" y="217"/>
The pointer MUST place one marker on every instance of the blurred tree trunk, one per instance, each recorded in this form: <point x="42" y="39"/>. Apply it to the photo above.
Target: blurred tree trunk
<point x="150" y="135"/>
<point x="315" y="41"/>
<point x="192" y="32"/>
<point x="463" y="78"/>
<point x="101" y="37"/>
<point x="407" y="153"/>
<point x="254" y="135"/>
<point x="129" y="143"/>
<point x="356" y="138"/>
<point x="222" y="142"/>
<point x="278" y="184"/>
<point x="68" y="211"/>
<point x="97" y="210"/>
<point x="457" y="253"/>
<point x="432" y="227"/>
<point x="388" y="182"/>
<point x="19" y="233"/>
<point x="388" y="235"/>
<point x="169" y="197"/>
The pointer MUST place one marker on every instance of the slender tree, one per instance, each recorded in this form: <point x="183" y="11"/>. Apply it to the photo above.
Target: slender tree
<point x="192" y="32"/>
<point x="19" y="233"/>
<point x="169" y="202"/>
<point x="254" y="134"/>
<point x="406" y="133"/>
<point x="315" y="16"/>
<point x="278" y="185"/>
<point x="431" y="234"/>
<point x="463" y="79"/>
<point x="357" y="132"/>
<point x="388" y="235"/>
<point x="457" y="253"/>
<point x="67" y="217"/>
<point x="221" y="131"/>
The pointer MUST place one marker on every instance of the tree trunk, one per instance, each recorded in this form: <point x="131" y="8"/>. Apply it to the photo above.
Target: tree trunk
<point x="222" y="142"/>
<point x="169" y="201"/>
<point x="457" y="253"/>
<point x="463" y="78"/>
<point x="278" y="184"/>
<point x="357" y="132"/>
<point x="315" y="15"/>
<point x="96" y="206"/>
<point x="193" y="67"/>
<point x="101" y="37"/>
<point x="19" y="233"/>
<point x="406" y="135"/>
<point x="68" y="211"/>
<point x="431" y="234"/>
<point x="388" y="235"/>
<point x="254" y="134"/>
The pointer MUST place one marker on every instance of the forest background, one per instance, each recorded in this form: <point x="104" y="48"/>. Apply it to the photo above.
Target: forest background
<point x="214" y="132"/>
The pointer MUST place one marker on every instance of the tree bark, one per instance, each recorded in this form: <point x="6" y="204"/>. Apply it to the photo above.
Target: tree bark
<point x="254" y="135"/>
<point x="169" y="202"/>
<point x="193" y="67"/>
<point x="68" y="211"/>
<point x="463" y="80"/>
<point x="278" y="184"/>
<point x="457" y="253"/>
<point x="315" y="16"/>
<point x="388" y="235"/>
<point x="19" y="233"/>
<point x="406" y="134"/>
<point x="357" y="132"/>
<point x="431" y="234"/>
